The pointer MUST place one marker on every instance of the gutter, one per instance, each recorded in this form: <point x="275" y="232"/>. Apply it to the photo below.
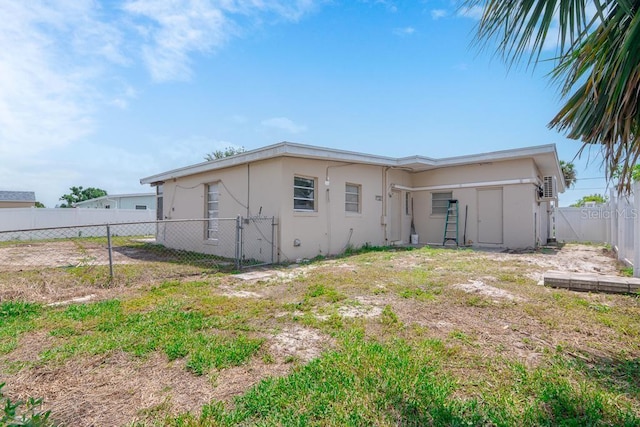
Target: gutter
<point x="467" y="185"/>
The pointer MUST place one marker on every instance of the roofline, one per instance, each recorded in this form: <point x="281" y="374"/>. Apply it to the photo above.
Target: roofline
<point x="290" y="149"/>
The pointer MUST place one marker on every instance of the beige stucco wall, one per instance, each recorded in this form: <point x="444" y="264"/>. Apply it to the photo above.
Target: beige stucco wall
<point x="519" y="204"/>
<point x="243" y="190"/>
<point x="330" y="229"/>
<point x="266" y="188"/>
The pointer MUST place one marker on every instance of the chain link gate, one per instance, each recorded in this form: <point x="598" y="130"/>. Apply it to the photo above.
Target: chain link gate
<point x="255" y="241"/>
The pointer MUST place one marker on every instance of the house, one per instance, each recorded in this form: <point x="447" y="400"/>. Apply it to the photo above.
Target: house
<point x="17" y="199"/>
<point x="140" y="201"/>
<point x="326" y="200"/>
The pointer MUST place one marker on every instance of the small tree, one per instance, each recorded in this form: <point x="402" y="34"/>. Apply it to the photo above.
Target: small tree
<point x="598" y="198"/>
<point x="40" y="205"/>
<point x="227" y="152"/>
<point x="569" y="173"/>
<point x="79" y="194"/>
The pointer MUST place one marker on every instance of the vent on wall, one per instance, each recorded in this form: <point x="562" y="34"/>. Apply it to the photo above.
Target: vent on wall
<point x="549" y="187"/>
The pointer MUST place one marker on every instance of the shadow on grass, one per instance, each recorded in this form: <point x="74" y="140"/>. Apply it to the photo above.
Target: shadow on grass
<point x="154" y="252"/>
<point x="616" y="375"/>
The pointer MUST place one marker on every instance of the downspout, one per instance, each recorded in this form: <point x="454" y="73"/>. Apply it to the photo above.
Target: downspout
<point x="384" y="218"/>
<point x="248" y="187"/>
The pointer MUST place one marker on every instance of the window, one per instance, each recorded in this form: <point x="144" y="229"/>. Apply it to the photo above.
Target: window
<point x="407" y="203"/>
<point x="159" y="198"/>
<point x="352" y="198"/>
<point x="141" y="207"/>
<point x="304" y="194"/>
<point x="440" y="202"/>
<point x="212" y="212"/>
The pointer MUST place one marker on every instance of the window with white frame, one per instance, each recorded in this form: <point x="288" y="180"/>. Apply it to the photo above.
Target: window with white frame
<point x="407" y="203"/>
<point x="440" y="202"/>
<point x="304" y="193"/>
<point x="141" y="207"/>
<point x="159" y="202"/>
<point x="212" y="211"/>
<point x="352" y="198"/>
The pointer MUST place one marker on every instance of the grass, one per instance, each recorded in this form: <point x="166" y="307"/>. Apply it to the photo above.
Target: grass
<point x="166" y="319"/>
<point x="433" y="356"/>
<point x="400" y="383"/>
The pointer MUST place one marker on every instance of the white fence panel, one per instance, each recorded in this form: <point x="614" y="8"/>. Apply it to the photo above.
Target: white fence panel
<point x="30" y="218"/>
<point x="583" y="224"/>
<point x="616" y="223"/>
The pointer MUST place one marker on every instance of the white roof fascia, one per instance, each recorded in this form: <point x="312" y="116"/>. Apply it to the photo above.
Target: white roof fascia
<point x="281" y="149"/>
<point x="493" y="156"/>
<point x="289" y="149"/>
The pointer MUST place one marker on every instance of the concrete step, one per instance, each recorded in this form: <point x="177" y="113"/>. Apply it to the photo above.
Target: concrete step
<point x="588" y="282"/>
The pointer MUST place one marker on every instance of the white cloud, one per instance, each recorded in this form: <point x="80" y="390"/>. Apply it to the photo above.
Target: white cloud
<point x="175" y="30"/>
<point x="45" y="95"/>
<point x="61" y="61"/>
<point x="473" y="12"/>
<point x="404" y="31"/>
<point x="285" y="124"/>
<point x="439" y="13"/>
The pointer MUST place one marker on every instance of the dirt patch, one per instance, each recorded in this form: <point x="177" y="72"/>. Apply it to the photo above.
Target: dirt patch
<point x="574" y="258"/>
<point x="367" y="308"/>
<point x="67" y="253"/>
<point x="299" y="343"/>
<point x="480" y="288"/>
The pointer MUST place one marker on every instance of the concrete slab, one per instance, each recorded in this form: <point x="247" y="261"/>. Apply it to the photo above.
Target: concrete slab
<point x="587" y="282"/>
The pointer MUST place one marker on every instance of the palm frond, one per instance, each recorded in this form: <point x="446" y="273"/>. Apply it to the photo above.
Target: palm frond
<point x="597" y="67"/>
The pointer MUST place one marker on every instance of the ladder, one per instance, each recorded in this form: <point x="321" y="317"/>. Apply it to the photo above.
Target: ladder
<point x="451" y="223"/>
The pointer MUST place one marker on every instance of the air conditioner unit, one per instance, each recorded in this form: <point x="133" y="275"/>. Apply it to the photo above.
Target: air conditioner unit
<point x="549" y="187"/>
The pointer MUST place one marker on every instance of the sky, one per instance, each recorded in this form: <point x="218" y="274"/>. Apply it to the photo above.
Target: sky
<point x="99" y="93"/>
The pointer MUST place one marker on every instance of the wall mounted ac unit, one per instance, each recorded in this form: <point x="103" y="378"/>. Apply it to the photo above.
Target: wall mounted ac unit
<point x="549" y="187"/>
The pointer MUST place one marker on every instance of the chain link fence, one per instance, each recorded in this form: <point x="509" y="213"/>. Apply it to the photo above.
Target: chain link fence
<point x="125" y="251"/>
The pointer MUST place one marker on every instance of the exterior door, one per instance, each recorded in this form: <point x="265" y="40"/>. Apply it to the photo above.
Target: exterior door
<point x="395" y="217"/>
<point x="490" y="216"/>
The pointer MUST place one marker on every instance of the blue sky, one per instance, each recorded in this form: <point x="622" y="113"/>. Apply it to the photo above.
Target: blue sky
<point x="103" y="93"/>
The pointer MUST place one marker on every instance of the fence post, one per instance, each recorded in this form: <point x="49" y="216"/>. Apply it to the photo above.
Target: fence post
<point x="110" y="251"/>
<point x="636" y="229"/>
<point x="613" y="220"/>
<point x="238" y="241"/>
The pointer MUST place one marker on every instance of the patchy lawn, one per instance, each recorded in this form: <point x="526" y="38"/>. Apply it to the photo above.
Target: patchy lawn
<point x="421" y="337"/>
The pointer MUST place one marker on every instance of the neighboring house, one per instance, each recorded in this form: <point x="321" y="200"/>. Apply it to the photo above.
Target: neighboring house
<point x="141" y="201"/>
<point x="325" y="200"/>
<point x="17" y="199"/>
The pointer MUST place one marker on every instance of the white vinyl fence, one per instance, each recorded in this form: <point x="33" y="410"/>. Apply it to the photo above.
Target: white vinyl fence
<point x="616" y="223"/>
<point x="31" y="218"/>
<point x="583" y="224"/>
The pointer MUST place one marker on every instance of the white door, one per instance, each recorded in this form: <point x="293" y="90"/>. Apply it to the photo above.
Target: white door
<point x="490" y="216"/>
<point x="395" y="217"/>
